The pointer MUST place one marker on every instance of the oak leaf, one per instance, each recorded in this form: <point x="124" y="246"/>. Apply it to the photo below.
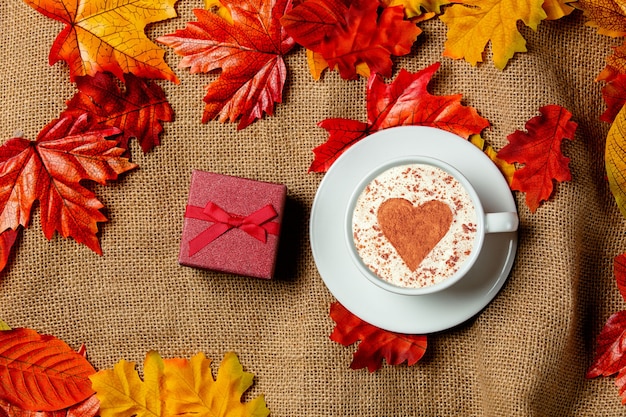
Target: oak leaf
<point x="191" y="389"/>
<point x="249" y="52"/>
<point x="121" y="391"/>
<point x="137" y="110"/>
<point x="40" y="372"/>
<point x="375" y="344"/>
<point x="67" y="151"/>
<point x="610" y="354"/>
<point x="472" y="24"/>
<point x="615" y="160"/>
<point x="101" y="36"/>
<point x="349" y="33"/>
<point x="405" y="101"/>
<point x="539" y="151"/>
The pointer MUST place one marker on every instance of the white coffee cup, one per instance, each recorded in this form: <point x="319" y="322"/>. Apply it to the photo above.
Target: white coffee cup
<point x="486" y="223"/>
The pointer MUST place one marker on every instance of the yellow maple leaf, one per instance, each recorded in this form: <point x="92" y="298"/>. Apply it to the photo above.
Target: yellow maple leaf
<point x="317" y="65"/>
<point x="219" y="9"/>
<point x="414" y="8"/>
<point x="109" y="36"/>
<point x="192" y="391"/>
<point x="609" y="16"/>
<point x="122" y="393"/>
<point x="615" y="159"/>
<point x="474" y="23"/>
<point x="556" y="9"/>
<point x="506" y="168"/>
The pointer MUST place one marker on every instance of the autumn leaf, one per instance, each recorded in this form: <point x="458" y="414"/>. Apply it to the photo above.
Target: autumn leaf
<point x="41" y="372"/>
<point x="121" y="391"/>
<point x="375" y="344"/>
<point x="615" y="159"/>
<point x="7" y="240"/>
<point x="414" y="8"/>
<point x="86" y="408"/>
<point x="137" y="111"/>
<point x="347" y="34"/>
<point x="249" y="51"/>
<point x="406" y="101"/>
<point x="608" y="16"/>
<point x="610" y="351"/>
<point x="191" y="389"/>
<point x="539" y="151"/>
<point x="472" y="24"/>
<point x="176" y="387"/>
<point x="556" y="9"/>
<point x="613" y="92"/>
<point x="51" y="169"/>
<point x="4" y="326"/>
<point x="101" y="36"/>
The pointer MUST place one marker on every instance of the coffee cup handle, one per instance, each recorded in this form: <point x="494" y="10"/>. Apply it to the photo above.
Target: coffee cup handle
<point x="501" y="222"/>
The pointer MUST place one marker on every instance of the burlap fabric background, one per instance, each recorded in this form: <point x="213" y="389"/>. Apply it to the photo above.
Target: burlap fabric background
<point x="525" y="355"/>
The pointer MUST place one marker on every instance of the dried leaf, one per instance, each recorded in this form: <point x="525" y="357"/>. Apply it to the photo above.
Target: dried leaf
<point x="249" y="51"/>
<point x="41" y="372"/>
<point x="137" y="111"/>
<point x="122" y="393"/>
<point x="347" y="34"/>
<point x="608" y="16"/>
<point x="86" y="408"/>
<point x="405" y="101"/>
<point x="610" y="354"/>
<point x="192" y="391"/>
<point x="7" y="240"/>
<point x="102" y="36"/>
<point x="375" y="344"/>
<point x="474" y="23"/>
<point x="66" y="152"/>
<point x="539" y="151"/>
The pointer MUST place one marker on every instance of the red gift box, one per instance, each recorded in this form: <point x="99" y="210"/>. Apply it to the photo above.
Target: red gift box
<point x="232" y="224"/>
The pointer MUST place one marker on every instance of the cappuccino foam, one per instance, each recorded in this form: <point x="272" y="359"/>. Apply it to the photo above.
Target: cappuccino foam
<point x="418" y="184"/>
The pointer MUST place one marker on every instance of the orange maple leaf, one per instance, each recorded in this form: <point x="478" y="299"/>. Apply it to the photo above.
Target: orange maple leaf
<point x="349" y="33"/>
<point x="406" y="101"/>
<point x="375" y="344"/>
<point x="608" y="16"/>
<point x="50" y="169"/>
<point x="610" y="354"/>
<point x="249" y="51"/>
<point x="40" y="372"/>
<point x="539" y="150"/>
<point x="102" y="36"/>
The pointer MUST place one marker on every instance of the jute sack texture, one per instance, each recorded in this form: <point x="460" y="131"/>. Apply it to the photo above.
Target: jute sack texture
<point x="524" y="355"/>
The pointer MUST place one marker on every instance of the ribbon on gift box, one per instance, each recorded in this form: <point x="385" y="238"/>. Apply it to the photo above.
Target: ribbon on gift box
<point x="257" y="224"/>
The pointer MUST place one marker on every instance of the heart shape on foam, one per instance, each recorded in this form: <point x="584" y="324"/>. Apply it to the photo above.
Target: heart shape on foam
<point x="414" y="230"/>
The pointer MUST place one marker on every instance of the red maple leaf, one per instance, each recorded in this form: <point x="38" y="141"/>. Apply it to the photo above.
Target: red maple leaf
<point x="539" y="150"/>
<point x="249" y="52"/>
<point x="610" y="355"/>
<point x="137" y="111"/>
<point x="375" y="344"/>
<point x="613" y="92"/>
<point x="406" y="101"/>
<point x="7" y="240"/>
<point x="349" y="32"/>
<point x="50" y="170"/>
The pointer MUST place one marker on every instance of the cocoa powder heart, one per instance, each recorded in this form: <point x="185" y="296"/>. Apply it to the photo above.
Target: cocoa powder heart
<point x="414" y="230"/>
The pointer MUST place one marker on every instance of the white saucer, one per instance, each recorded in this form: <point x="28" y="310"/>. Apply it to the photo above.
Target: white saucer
<point x="402" y="313"/>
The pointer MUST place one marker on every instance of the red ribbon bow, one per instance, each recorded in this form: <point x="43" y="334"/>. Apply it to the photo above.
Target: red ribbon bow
<point x="255" y="224"/>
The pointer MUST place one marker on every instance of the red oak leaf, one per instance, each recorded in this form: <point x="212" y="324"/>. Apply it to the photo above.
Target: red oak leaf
<point x="540" y="152"/>
<point x="350" y="32"/>
<point x="50" y="169"/>
<point x="406" y="101"/>
<point x="249" y="51"/>
<point x="40" y="372"/>
<point x="7" y="240"/>
<point x="86" y="408"/>
<point x="610" y="355"/>
<point x="614" y="92"/>
<point x="375" y="344"/>
<point x="137" y="111"/>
